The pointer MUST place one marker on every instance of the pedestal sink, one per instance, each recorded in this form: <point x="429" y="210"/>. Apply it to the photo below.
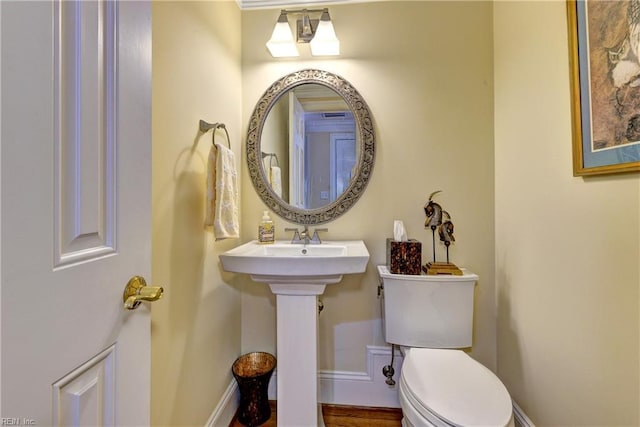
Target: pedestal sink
<point x="297" y="274"/>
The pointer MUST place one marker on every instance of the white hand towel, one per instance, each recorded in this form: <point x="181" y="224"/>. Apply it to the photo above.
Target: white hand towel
<point x="222" y="193"/>
<point x="211" y="188"/>
<point x="275" y="179"/>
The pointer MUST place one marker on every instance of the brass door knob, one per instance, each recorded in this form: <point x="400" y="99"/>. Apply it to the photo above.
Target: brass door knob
<point x="137" y="291"/>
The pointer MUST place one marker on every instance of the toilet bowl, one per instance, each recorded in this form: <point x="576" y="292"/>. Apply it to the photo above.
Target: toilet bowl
<point x="441" y="387"/>
<point x="431" y="317"/>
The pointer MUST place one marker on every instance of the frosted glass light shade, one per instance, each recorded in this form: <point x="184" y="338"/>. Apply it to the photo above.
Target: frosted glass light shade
<point x="325" y="41"/>
<point x="281" y="43"/>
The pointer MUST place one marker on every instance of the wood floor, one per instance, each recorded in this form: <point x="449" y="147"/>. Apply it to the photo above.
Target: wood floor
<point x="347" y="416"/>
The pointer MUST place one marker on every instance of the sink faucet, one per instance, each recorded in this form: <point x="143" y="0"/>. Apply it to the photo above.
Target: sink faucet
<point x="303" y="236"/>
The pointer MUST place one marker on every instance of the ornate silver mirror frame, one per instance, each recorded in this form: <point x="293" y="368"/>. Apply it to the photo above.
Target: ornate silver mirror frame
<point x="365" y="137"/>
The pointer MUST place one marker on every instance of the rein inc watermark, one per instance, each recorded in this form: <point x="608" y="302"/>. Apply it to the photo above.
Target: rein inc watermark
<point x="17" y="421"/>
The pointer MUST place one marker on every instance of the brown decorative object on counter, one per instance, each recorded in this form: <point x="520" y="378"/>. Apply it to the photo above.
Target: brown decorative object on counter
<point x="435" y="268"/>
<point x="404" y="257"/>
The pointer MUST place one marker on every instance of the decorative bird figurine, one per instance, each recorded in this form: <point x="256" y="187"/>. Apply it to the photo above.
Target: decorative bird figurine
<point x="438" y="218"/>
<point x="433" y="211"/>
<point x="445" y="230"/>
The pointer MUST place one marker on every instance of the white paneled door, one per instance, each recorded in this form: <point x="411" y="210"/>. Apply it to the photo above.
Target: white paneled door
<point x="75" y="214"/>
<point x="297" y="157"/>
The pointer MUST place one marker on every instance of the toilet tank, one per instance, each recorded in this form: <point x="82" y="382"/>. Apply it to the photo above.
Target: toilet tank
<point x="434" y="311"/>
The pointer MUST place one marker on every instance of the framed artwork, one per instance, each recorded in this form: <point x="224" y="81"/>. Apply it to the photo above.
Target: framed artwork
<point x="604" y="53"/>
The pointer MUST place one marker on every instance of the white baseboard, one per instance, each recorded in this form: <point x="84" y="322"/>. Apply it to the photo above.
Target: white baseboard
<point x="344" y="388"/>
<point x="336" y="387"/>
<point x="358" y="388"/>
<point x="227" y="406"/>
<point x="363" y="388"/>
<point x="520" y="417"/>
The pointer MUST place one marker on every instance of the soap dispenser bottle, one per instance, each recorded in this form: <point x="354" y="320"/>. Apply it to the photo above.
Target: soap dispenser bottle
<point x="266" y="229"/>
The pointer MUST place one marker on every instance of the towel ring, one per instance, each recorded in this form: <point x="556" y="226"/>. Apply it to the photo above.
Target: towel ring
<point x="206" y="127"/>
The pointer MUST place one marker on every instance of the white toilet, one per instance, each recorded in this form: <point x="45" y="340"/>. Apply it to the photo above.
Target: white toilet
<point x="431" y="317"/>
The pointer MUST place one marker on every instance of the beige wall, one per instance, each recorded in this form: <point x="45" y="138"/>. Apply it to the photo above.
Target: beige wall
<point x="428" y="82"/>
<point x="561" y="261"/>
<point x="567" y="249"/>
<point x="196" y="326"/>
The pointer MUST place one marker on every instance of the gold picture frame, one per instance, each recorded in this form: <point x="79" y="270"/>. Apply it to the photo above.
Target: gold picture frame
<point x="604" y="56"/>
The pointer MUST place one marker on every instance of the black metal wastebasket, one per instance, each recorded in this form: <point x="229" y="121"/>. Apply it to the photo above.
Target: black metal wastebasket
<point x="252" y="371"/>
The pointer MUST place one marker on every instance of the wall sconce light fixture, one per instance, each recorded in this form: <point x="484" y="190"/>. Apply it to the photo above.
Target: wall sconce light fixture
<point x="319" y="33"/>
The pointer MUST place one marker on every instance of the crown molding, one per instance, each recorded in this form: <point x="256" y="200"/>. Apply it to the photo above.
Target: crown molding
<point x="271" y="4"/>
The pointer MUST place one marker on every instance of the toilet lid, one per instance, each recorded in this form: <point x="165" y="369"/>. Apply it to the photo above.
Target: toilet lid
<point x="456" y="388"/>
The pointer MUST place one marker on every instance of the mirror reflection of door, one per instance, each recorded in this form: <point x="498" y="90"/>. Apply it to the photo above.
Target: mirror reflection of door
<point x="296" y="153"/>
<point x="343" y="162"/>
<point x="330" y="144"/>
<point x="331" y="155"/>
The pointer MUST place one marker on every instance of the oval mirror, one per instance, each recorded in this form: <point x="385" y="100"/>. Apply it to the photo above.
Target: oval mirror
<point x="310" y="146"/>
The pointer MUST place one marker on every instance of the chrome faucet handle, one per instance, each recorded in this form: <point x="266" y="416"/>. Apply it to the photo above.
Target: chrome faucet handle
<point x="316" y="238"/>
<point x="296" y="235"/>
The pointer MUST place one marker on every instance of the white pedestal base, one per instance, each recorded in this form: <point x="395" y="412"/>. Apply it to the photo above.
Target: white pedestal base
<point x="297" y="353"/>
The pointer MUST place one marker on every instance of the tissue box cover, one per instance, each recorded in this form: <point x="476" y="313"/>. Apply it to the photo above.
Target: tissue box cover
<point x="404" y="257"/>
